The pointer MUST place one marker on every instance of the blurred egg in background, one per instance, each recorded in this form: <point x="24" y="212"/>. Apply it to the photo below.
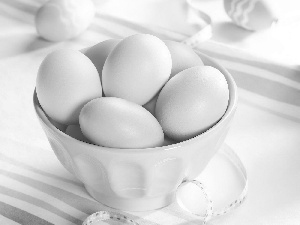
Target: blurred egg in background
<point x="64" y="19"/>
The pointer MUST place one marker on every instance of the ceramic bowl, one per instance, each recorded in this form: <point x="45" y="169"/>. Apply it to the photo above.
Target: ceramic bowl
<point x="139" y="179"/>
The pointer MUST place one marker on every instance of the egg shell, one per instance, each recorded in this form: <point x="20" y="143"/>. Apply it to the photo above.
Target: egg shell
<point x="83" y="50"/>
<point x="183" y="57"/>
<point x="118" y="123"/>
<point x="137" y="68"/>
<point x="168" y="141"/>
<point x="191" y="102"/>
<point x="250" y="14"/>
<point x="58" y="125"/>
<point x="99" y="52"/>
<point x="66" y="81"/>
<point x="150" y="106"/>
<point x="59" y="20"/>
<point x="75" y="132"/>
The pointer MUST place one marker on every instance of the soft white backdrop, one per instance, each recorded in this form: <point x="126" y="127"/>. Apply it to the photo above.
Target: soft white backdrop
<point x="280" y="43"/>
<point x="265" y="132"/>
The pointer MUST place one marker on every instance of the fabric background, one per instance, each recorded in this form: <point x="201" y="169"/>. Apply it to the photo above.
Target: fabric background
<point x="36" y="189"/>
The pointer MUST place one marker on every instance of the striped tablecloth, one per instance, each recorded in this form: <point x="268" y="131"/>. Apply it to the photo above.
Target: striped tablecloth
<point x="36" y="189"/>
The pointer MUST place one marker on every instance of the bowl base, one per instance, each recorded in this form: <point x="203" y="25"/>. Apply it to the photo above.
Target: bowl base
<point x="130" y="204"/>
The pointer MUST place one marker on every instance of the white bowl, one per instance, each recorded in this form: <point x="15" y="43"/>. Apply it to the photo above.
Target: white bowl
<point x="139" y="179"/>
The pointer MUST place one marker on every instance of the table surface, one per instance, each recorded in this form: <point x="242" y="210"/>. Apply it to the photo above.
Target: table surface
<point x="36" y="189"/>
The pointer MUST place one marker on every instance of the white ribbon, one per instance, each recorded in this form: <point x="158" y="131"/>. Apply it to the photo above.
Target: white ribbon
<point x="96" y="217"/>
<point x="198" y="17"/>
<point x="210" y="213"/>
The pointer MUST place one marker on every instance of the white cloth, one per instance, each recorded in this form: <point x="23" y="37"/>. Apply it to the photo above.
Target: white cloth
<point x="36" y="189"/>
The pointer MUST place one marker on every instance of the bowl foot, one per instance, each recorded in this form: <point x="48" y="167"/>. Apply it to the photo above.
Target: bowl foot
<point x="132" y="204"/>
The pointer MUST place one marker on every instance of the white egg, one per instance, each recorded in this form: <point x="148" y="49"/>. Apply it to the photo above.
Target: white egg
<point x="83" y="50"/>
<point x="137" y="68"/>
<point x="168" y="141"/>
<point x="251" y="14"/>
<point x="99" y="52"/>
<point x="150" y="106"/>
<point x="66" y="80"/>
<point x="118" y="123"/>
<point x="192" y="102"/>
<point x="183" y="57"/>
<point x="59" y="126"/>
<point x="59" y="20"/>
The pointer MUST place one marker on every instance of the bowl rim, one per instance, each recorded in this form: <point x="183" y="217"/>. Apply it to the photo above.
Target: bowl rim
<point x="233" y="98"/>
